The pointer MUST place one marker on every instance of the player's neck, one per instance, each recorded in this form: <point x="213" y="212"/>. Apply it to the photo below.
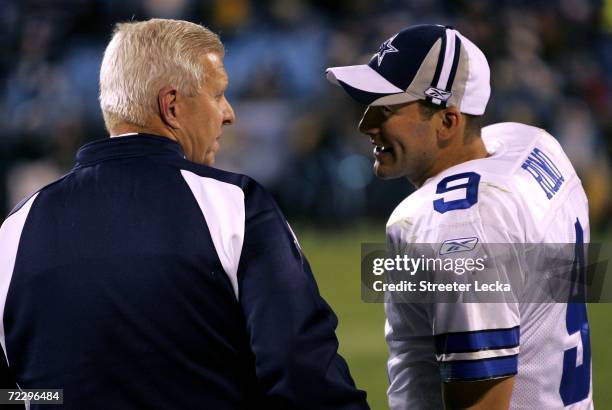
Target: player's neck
<point x="153" y="127"/>
<point x="469" y="150"/>
<point x="457" y="154"/>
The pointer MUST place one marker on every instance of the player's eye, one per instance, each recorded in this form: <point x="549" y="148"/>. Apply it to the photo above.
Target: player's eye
<point x="386" y="111"/>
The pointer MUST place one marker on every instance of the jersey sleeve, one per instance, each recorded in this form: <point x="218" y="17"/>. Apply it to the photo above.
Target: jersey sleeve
<point x="291" y="328"/>
<point x="485" y="347"/>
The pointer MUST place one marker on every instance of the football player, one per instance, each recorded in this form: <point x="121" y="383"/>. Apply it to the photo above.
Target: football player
<point x="426" y="89"/>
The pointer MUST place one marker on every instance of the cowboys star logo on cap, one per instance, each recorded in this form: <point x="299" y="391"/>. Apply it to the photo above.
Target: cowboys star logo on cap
<point x="385" y="48"/>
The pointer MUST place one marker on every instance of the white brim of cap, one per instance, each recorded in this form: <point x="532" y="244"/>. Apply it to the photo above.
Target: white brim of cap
<point x="366" y="79"/>
<point x="362" y="77"/>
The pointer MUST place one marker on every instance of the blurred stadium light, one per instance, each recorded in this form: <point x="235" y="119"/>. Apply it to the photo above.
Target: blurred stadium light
<point x="551" y="64"/>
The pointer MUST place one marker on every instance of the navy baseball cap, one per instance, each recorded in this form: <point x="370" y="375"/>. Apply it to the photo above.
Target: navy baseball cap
<point x="424" y="62"/>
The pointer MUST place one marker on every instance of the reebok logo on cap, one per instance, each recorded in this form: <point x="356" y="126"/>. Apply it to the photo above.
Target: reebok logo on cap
<point x="438" y="94"/>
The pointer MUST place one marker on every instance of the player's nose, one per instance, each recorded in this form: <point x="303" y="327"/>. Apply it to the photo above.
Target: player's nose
<point x="370" y="122"/>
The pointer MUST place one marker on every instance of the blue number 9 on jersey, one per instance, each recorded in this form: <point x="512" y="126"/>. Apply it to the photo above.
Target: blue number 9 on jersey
<point x="471" y="192"/>
<point x="576" y="378"/>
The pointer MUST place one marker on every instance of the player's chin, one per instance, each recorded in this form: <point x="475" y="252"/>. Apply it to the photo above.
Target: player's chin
<point x="384" y="171"/>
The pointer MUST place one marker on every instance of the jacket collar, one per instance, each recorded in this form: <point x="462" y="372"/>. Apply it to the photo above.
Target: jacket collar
<point x="127" y="146"/>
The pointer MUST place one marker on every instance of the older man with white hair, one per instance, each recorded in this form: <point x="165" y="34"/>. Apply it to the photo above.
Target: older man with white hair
<point x="146" y="279"/>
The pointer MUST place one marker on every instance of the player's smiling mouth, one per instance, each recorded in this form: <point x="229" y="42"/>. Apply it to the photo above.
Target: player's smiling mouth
<point x="380" y="149"/>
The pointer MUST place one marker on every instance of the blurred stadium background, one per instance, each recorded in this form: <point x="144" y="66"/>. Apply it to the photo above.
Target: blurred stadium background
<point x="551" y="67"/>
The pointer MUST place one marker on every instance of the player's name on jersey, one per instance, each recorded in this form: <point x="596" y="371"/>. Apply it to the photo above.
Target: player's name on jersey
<point x="428" y="286"/>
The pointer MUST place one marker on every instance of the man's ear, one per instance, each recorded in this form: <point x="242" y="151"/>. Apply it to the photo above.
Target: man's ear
<point x="451" y="122"/>
<point x="166" y="101"/>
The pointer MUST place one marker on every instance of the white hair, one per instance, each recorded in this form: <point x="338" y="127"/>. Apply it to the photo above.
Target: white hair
<point x="143" y="57"/>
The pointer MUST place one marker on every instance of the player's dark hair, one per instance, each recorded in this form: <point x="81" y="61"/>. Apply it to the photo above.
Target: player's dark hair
<point x="473" y="123"/>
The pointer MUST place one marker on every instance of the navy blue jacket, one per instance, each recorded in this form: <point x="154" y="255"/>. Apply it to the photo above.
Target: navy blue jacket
<point x="141" y="280"/>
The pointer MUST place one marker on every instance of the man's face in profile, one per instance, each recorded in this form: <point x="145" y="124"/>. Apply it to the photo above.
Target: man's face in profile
<point x="203" y="115"/>
<point x="404" y="141"/>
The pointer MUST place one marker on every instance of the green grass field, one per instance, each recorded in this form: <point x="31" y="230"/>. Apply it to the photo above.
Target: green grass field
<point x="335" y="260"/>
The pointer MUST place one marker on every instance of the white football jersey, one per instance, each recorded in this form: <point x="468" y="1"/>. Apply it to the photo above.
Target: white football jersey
<point x="526" y="191"/>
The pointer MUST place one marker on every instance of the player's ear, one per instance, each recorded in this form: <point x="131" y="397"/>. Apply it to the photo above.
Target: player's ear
<point x="167" y="104"/>
<point x="450" y="124"/>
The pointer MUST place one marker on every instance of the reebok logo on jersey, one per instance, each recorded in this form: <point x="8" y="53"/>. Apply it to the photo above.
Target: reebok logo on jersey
<point x="438" y="93"/>
<point x="458" y="245"/>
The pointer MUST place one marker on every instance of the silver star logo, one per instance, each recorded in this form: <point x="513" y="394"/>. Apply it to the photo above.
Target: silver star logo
<point x="384" y="49"/>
